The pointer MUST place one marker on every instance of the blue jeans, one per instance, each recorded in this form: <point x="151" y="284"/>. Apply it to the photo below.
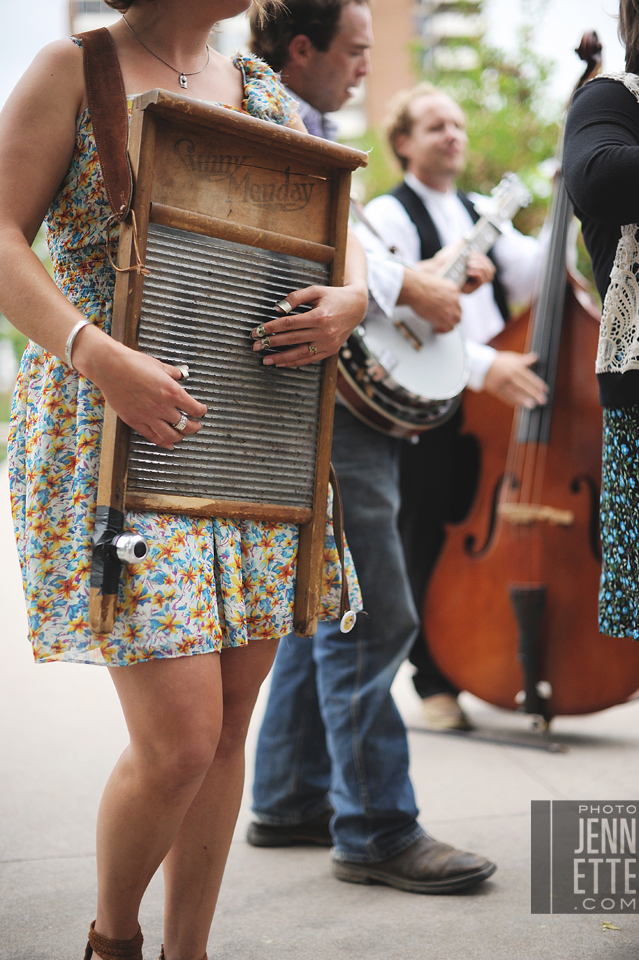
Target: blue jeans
<point x="331" y="733"/>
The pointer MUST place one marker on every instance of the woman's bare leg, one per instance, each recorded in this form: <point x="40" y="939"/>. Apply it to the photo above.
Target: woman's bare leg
<point x="173" y="711"/>
<point x="194" y="866"/>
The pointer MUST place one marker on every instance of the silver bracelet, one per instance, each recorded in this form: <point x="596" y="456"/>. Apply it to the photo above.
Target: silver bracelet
<point x="68" y="350"/>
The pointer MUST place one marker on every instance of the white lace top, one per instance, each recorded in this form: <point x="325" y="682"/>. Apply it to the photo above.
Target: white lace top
<point x="619" y="334"/>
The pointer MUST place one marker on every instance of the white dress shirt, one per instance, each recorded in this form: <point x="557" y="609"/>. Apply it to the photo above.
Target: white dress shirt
<point x="516" y="255"/>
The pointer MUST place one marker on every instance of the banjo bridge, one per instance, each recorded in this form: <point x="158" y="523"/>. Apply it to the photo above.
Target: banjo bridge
<point x="408" y="334"/>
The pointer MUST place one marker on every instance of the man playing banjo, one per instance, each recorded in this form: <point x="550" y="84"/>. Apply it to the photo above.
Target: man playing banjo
<point x="427" y="133"/>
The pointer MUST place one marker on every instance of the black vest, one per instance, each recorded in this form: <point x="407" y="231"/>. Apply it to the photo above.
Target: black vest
<point x="429" y="238"/>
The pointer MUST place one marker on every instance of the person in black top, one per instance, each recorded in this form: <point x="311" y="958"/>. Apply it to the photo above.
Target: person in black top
<point x="601" y="161"/>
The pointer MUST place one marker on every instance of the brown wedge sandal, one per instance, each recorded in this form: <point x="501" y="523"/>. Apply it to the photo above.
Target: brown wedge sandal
<point x="205" y="957"/>
<point x="99" y="946"/>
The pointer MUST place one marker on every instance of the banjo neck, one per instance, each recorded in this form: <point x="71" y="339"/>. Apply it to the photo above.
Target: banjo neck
<point x="480" y="240"/>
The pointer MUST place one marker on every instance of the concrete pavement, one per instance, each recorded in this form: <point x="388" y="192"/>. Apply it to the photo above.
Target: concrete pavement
<point x="61" y="731"/>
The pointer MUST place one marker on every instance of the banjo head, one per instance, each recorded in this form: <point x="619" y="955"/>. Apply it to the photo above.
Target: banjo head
<point x="415" y="360"/>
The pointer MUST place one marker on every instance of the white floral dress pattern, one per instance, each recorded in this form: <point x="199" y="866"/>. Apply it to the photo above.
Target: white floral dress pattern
<point x="205" y="583"/>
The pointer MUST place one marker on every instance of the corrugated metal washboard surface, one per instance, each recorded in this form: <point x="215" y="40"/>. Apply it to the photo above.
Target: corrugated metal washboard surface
<point x="259" y="438"/>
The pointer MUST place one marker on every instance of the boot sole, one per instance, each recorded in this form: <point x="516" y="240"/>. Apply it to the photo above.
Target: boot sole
<point x="368" y="874"/>
<point x="266" y="838"/>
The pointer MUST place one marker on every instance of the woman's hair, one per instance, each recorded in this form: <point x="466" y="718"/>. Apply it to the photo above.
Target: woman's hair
<point x="276" y="22"/>
<point x="263" y="6"/>
<point x="400" y="120"/>
<point x="629" y="32"/>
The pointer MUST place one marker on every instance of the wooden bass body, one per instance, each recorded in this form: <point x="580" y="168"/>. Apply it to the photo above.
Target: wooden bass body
<point x="469" y="618"/>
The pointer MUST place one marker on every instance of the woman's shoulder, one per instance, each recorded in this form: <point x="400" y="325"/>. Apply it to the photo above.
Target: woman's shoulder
<point x="61" y="57"/>
<point x="52" y="88"/>
<point x="620" y="90"/>
<point x="264" y="94"/>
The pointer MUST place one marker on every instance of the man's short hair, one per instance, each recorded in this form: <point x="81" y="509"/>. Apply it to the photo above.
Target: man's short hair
<point x="400" y="121"/>
<point x="316" y="19"/>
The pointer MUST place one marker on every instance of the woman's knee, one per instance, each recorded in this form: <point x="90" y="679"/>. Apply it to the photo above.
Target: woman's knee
<point x="178" y="762"/>
<point x="232" y="736"/>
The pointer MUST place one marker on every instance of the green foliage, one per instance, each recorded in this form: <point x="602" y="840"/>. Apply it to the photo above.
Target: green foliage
<point x="18" y="340"/>
<point x="510" y="124"/>
<point x="382" y="173"/>
<point x="509" y="128"/>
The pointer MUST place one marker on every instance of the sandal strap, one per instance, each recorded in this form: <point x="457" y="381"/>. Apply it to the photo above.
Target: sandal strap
<point x="105" y="948"/>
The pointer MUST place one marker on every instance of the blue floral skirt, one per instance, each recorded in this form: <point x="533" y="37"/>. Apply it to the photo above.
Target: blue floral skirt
<point x="619" y="593"/>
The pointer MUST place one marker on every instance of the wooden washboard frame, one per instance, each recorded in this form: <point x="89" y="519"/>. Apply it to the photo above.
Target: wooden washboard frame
<point x="215" y="173"/>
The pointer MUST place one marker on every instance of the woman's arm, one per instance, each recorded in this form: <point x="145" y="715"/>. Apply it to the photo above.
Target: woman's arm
<point x="37" y="137"/>
<point x="601" y="152"/>
<point x="335" y="314"/>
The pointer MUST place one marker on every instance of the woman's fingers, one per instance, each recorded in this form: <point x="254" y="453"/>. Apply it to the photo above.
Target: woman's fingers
<point x="317" y="333"/>
<point x="298" y="356"/>
<point x="289" y="322"/>
<point x="147" y="395"/>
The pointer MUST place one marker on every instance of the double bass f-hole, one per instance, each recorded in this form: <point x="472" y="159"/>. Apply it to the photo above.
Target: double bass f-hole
<point x="469" y="542"/>
<point x="593" y="526"/>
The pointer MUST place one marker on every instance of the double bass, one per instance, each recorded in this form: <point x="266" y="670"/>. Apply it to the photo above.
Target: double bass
<point x="511" y="608"/>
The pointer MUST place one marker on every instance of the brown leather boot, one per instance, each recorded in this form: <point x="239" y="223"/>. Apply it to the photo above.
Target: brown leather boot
<point x="427" y="866"/>
<point x="163" y="958"/>
<point x="104" y="948"/>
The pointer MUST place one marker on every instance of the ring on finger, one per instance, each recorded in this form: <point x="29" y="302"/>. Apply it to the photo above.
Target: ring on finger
<point x="181" y="424"/>
<point x="312" y="349"/>
<point x="260" y="331"/>
<point x="266" y="342"/>
<point x="284" y="306"/>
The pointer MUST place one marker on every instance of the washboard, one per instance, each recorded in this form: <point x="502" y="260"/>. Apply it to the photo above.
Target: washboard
<point x="232" y="214"/>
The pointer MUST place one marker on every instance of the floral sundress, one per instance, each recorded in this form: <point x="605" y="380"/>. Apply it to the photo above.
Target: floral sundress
<point x="205" y="583"/>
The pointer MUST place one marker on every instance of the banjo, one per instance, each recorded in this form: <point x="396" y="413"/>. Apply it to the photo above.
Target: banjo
<point x="400" y="377"/>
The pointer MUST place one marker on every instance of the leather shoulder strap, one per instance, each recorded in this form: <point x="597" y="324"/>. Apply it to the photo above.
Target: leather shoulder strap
<point x="428" y="237"/>
<point x="109" y="116"/>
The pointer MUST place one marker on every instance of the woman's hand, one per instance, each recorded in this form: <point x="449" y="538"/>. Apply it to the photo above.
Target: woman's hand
<point x="144" y="392"/>
<point x="335" y="313"/>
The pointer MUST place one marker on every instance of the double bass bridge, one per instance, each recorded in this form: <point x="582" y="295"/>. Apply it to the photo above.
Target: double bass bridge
<point x="524" y="514"/>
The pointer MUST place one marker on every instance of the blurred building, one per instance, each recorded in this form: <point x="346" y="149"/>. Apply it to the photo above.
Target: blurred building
<point x="90" y="14"/>
<point x="414" y="36"/>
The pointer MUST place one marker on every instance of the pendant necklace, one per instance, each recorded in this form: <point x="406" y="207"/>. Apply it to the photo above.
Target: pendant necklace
<point x="181" y="74"/>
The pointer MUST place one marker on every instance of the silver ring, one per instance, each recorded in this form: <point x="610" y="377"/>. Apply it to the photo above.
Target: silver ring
<point x="260" y="331"/>
<point x="182" y="422"/>
<point x="265" y="341"/>
<point x="312" y="349"/>
<point x="284" y="306"/>
<point x="184" y="370"/>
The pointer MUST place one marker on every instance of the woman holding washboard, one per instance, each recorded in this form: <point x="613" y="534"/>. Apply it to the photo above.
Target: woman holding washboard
<point x="195" y="629"/>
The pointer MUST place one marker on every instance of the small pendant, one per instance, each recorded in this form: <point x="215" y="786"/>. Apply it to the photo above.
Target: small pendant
<point x="183" y="81"/>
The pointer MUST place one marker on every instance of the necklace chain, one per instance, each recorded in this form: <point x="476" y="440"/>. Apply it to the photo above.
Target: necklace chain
<point x="182" y="75"/>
